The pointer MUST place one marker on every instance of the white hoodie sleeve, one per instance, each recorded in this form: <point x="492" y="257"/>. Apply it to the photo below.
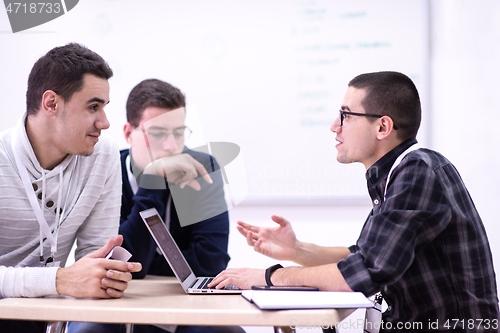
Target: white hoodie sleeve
<point x="27" y="281"/>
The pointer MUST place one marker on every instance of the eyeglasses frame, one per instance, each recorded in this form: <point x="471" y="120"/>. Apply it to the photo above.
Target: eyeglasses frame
<point x="342" y="112"/>
<point x="168" y="134"/>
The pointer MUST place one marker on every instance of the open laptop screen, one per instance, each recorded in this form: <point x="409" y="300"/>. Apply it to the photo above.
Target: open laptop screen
<point x="168" y="247"/>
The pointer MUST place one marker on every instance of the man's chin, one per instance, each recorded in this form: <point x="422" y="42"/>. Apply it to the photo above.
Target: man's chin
<point x="86" y="152"/>
<point x="343" y="159"/>
<point x="340" y="158"/>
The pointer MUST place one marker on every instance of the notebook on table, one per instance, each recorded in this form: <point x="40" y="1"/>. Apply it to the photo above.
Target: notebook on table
<point x="281" y="300"/>
<point x="171" y="252"/>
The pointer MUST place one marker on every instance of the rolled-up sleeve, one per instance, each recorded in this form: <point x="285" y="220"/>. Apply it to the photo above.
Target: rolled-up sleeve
<point x="356" y="274"/>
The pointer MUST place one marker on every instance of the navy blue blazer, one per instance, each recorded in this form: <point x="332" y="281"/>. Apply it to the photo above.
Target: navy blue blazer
<point x="203" y="244"/>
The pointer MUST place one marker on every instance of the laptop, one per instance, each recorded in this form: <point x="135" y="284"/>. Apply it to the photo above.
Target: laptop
<point x="190" y="282"/>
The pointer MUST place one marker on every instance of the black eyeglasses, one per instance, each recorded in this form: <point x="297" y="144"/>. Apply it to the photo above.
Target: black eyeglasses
<point x="342" y="113"/>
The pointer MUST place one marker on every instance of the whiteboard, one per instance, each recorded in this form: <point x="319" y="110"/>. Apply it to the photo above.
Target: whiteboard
<point x="267" y="75"/>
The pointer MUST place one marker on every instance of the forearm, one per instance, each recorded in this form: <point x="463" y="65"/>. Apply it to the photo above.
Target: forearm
<point x="324" y="277"/>
<point x="308" y="254"/>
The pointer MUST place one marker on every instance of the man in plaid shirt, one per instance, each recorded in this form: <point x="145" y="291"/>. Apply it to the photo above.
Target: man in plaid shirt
<point x="423" y="246"/>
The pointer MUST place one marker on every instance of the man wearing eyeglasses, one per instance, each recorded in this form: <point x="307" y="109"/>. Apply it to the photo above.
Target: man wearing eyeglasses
<point x="423" y="245"/>
<point x="159" y="171"/>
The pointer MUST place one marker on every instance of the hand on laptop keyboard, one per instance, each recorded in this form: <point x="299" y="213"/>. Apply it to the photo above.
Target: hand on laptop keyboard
<point x="208" y="280"/>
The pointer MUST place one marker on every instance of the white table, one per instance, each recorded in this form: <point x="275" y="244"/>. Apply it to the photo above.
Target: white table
<point x="161" y="300"/>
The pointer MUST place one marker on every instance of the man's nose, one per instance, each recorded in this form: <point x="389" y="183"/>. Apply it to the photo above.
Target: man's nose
<point x="102" y="121"/>
<point x="335" y="127"/>
<point x="170" y="144"/>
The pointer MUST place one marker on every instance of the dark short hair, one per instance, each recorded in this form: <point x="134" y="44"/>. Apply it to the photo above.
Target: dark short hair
<point x="152" y="92"/>
<point x="61" y="70"/>
<point x="392" y="94"/>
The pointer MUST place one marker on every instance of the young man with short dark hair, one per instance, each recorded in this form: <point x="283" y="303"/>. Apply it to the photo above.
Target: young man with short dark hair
<point x="423" y="245"/>
<point x="60" y="181"/>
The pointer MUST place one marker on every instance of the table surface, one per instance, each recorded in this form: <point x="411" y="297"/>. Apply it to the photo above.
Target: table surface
<point x="161" y="300"/>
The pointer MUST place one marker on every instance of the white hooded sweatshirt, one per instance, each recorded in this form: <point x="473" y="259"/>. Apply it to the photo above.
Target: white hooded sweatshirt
<point x="87" y="191"/>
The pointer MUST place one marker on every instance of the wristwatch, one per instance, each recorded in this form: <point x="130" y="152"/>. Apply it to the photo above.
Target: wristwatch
<point x="269" y="272"/>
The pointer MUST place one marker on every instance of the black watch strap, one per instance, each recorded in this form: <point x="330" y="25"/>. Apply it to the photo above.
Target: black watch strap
<point x="269" y="272"/>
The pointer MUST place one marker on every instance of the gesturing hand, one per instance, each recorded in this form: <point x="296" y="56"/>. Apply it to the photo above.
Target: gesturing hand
<point x="278" y="243"/>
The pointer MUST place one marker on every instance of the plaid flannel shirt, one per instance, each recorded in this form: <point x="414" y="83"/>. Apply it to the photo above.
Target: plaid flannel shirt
<point x="424" y="247"/>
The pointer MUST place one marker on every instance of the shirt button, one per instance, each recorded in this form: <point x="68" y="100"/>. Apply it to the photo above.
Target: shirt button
<point x="376" y="202"/>
<point x="50" y="203"/>
<point x="389" y="308"/>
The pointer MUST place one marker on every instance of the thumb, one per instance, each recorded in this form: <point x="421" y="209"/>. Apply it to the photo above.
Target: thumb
<point x="280" y="220"/>
<point x="118" y="240"/>
<point x="103" y="251"/>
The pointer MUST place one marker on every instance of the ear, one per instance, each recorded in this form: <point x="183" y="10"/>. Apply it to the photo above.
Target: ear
<point x="127" y="131"/>
<point x="50" y="103"/>
<point x="385" y="127"/>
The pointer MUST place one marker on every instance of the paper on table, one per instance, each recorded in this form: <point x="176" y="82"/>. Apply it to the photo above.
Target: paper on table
<point x="275" y="300"/>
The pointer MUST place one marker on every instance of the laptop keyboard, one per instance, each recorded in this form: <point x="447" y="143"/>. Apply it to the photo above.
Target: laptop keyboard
<point x="206" y="281"/>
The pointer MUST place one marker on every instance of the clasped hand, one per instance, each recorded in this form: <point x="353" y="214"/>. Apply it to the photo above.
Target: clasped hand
<point x="96" y="277"/>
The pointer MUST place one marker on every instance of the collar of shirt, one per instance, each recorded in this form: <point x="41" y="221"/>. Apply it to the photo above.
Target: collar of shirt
<point x="377" y="174"/>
